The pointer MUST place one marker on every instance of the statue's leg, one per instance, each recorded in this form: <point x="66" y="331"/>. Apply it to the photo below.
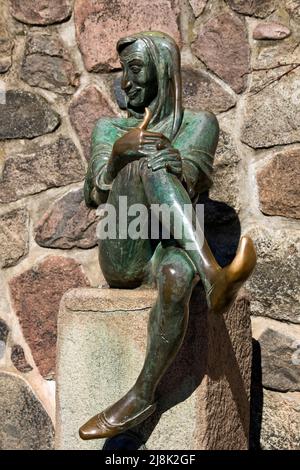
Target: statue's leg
<point x="221" y="285"/>
<point x="175" y="278"/>
<point x="125" y="261"/>
<point x="168" y="319"/>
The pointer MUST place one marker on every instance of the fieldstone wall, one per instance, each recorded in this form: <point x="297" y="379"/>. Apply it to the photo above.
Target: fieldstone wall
<point x="58" y="74"/>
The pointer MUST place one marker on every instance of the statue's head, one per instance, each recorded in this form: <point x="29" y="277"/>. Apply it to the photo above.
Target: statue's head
<point x="151" y="76"/>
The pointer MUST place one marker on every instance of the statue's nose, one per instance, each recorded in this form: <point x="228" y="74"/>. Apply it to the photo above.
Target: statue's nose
<point x="126" y="84"/>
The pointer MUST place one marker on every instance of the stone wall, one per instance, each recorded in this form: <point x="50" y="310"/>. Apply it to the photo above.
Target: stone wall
<point x="59" y="74"/>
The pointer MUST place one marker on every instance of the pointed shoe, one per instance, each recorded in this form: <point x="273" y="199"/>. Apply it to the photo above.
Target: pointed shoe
<point x="99" y="427"/>
<point x="231" y="278"/>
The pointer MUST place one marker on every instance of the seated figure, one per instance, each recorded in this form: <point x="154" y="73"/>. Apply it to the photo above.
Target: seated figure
<point x="160" y="154"/>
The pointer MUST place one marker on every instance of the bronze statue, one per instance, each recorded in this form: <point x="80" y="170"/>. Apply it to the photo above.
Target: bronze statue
<point x="168" y="163"/>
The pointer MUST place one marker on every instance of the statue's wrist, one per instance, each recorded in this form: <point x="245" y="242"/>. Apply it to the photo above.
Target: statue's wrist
<point x="107" y="175"/>
<point x="111" y="170"/>
<point x="103" y="180"/>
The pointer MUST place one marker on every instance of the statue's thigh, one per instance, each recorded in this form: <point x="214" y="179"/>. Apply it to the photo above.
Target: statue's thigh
<point x="175" y="275"/>
<point x="124" y="260"/>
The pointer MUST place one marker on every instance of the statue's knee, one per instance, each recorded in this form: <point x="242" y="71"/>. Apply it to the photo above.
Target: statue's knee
<point x="176" y="280"/>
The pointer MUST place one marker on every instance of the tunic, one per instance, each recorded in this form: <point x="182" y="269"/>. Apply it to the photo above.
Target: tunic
<point x="196" y="140"/>
<point x="127" y="262"/>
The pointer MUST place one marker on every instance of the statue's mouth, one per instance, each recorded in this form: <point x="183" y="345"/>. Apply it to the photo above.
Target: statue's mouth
<point x="132" y="94"/>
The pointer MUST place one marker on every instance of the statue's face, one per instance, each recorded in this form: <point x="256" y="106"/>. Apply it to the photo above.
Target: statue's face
<point x="139" y="79"/>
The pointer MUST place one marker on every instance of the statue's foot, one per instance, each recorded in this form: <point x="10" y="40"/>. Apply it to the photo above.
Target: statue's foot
<point x="229" y="280"/>
<point x="124" y="414"/>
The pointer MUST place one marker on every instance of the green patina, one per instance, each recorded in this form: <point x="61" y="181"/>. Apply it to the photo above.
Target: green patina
<point x="168" y="163"/>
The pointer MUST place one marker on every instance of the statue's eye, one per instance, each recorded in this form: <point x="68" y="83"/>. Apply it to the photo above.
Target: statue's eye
<point x="135" y="68"/>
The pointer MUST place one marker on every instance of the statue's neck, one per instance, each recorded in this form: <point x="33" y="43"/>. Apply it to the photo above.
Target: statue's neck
<point x="139" y="113"/>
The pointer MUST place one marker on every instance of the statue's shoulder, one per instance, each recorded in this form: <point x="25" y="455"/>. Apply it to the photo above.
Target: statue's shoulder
<point x="108" y="128"/>
<point x="199" y="129"/>
<point x="195" y="124"/>
<point x="106" y="122"/>
<point x="203" y="118"/>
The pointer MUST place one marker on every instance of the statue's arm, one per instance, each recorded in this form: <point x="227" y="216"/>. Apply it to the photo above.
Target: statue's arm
<point x="96" y="189"/>
<point x="197" y="145"/>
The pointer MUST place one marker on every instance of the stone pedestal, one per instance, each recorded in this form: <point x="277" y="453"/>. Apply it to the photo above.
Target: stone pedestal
<point x="203" y="401"/>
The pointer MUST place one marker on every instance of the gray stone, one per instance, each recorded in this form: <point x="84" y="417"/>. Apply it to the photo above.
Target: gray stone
<point x="259" y="8"/>
<point x="272" y="114"/>
<point x="41" y="12"/>
<point x="279" y="184"/>
<point x="4" y="330"/>
<point x="270" y="54"/>
<point x="13" y="237"/>
<point x="24" y="423"/>
<point x="280" y="428"/>
<point x="222" y="44"/>
<point x="280" y="361"/>
<point x="40" y="168"/>
<point x="101" y="345"/>
<point x="200" y="91"/>
<point x="226" y="175"/>
<point x="198" y="6"/>
<point x="47" y="64"/>
<point x="274" y="283"/>
<point x="6" y="47"/>
<point x="25" y="115"/>
<point x="293" y="8"/>
<point x="261" y="79"/>
<point x="2" y="348"/>
<point x="68" y="224"/>
<point x="19" y="360"/>
<point x="6" y="43"/>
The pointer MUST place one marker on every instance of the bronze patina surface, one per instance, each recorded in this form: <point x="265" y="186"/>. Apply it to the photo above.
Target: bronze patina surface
<point x="160" y="154"/>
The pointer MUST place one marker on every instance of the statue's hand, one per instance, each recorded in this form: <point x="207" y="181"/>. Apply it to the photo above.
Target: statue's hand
<point x="135" y="144"/>
<point x="131" y="146"/>
<point x="168" y="158"/>
<point x="128" y="146"/>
